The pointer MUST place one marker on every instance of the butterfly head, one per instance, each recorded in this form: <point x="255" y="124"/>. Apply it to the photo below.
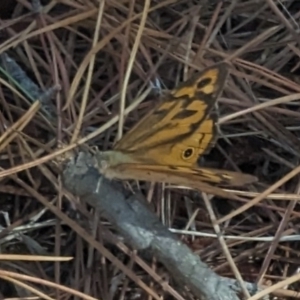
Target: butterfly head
<point x="104" y="160"/>
<point x="107" y="160"/>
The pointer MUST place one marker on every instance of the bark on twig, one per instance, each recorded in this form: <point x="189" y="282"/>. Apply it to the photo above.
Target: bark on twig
<point x="143" y="230"/>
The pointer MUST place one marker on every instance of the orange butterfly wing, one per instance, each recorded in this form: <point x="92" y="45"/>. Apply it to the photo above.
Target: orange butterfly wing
<point x="179" y="125"/>
<point x="166" y="144"/>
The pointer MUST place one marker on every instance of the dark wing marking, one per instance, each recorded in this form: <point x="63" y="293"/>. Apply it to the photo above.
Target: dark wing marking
<point x="166" y="124"/>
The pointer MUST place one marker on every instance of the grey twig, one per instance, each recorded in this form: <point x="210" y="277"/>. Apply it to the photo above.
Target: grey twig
<point x="19" y="78"/>
<point x="143" y="230"/>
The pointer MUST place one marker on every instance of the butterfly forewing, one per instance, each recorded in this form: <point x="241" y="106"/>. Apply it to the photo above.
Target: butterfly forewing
<point x="181" y="121"/>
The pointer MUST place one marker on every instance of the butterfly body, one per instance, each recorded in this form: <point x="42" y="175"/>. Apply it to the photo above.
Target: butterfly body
<point x="166" y="144"/>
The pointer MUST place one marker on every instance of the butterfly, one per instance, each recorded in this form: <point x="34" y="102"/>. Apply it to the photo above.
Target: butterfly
<point x="166" y="144"/>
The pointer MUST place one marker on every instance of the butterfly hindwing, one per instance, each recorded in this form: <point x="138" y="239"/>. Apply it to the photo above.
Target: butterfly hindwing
<point x="167" y="174"/>
<point x="209" y="175"/>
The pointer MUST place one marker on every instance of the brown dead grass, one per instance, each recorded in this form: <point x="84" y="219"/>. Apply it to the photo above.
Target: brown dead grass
<point x="88" y="63"/>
